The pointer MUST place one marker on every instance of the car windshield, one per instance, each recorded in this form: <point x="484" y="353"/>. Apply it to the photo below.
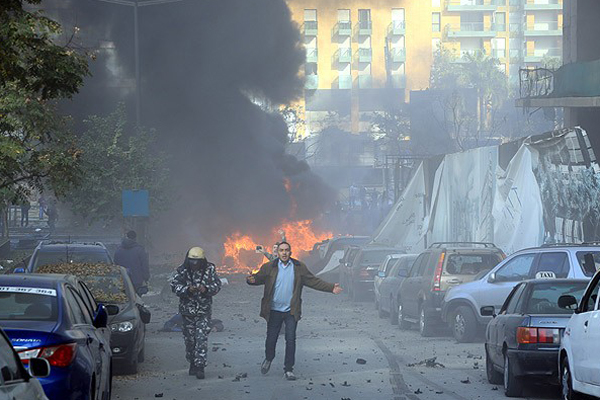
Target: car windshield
<point x="471" y="264"/>
<point x="589" y="261"/>
<point x="57" y="257"/>
<point x="543" y="297"/>
<point x="104" y="281"/>
<point x="37" y="304"/>
<point x="376" y="256"/>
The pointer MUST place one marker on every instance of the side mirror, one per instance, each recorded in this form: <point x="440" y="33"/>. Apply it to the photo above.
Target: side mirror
<point x="39" y="367"/>
<point x="487" y="311"/>
<point x="19" y="270"/>
<point x="145" y="314"/>
<point x="101" y="319"/>
<point x="567" y="302"/>
<point x="381" y="274"/>
<point x="403" y="273"/>
<point x="111" y="309"/>
<point x="492" y="278"/>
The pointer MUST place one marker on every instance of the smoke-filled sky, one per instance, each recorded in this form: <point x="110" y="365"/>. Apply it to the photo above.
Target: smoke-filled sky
<point x="199" y="60"/>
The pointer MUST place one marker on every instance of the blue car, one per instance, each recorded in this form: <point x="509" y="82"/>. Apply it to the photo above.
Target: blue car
<point x="52" y="317"/>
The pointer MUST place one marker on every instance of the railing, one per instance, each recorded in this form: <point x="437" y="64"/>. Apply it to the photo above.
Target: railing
<point x="364" y="27"/>
<point x="364" y="55"/>
<point x="458" y="4"/>
<point x="312" y="82"/>
<point x="311" y="28"/>
<point x="467" y="55"/>
<point x="343" y="55"/>
<point x="344" y="28"/>
<point x="397" y="28"/>
<point x="499" y="27"/>
<point x="397" y="54"/>
<point x="543" y="26"/>
<point x="470" y="29"/>
<point x="537" y="82"/>
<point x="550" y="52"/>
<point x="312" y="55"/>
<point x="548" y="4"/>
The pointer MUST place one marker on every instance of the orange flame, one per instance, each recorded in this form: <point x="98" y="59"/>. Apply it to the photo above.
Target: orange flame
<point x="240" y="255"/>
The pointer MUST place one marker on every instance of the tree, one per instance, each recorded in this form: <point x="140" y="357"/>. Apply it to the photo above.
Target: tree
<point x="36" y="150"/>
<point x="114" y="158"/>
<point x="392" y="127"/>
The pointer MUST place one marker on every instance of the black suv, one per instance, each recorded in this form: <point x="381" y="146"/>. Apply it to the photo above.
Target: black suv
<point x="442" y="266"/>
<point x="359" y="267"/>
<point x="56" y="252"/>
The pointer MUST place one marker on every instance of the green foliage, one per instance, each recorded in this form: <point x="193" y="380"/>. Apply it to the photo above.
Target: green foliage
<point x="115" y="158"/>
<point x="35" y="148"/>
<point x="391" y="126"/>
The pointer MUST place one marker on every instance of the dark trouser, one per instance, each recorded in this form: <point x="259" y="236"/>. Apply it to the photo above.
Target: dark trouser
<point x="276" y="319"/>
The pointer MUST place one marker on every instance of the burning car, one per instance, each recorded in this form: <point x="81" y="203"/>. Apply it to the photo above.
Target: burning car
<point x="110" y="284"/>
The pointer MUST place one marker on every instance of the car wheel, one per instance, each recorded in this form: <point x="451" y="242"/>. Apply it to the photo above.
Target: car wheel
<point x="513" y="385"/>
<point x="402" y="323"/>
<point x="494" y="377"/>
<point x="142" y="355"/>
<point x="393" y="312"/>
<point x="464" y="325"/>
<point x="566" y="383"/>
<point x="425" y="327"/>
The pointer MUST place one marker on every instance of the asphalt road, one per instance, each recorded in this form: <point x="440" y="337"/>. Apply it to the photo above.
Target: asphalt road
<point x="332" y="335"/>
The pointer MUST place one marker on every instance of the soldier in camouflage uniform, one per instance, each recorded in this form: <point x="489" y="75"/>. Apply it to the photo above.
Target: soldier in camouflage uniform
<point x="195" y="283"/>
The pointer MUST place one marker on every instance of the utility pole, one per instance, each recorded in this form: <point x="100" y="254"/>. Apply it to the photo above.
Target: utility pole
<point x="136" y="44"/>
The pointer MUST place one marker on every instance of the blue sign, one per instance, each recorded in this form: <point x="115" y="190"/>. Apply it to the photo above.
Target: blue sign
<point x="135" y="203"/>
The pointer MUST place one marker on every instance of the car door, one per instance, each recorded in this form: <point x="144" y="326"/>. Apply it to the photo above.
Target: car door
<point x="507" y="322"/>
<point x="89" y="336"/>
<point x="501" y="281"/>
<point x="412" y="285"/>
<point x="583" y="352"/>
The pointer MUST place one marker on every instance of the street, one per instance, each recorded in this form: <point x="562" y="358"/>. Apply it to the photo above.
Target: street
<point x="333" y="334"/>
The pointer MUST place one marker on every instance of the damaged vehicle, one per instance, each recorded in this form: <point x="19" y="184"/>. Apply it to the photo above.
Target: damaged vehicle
<point x="111" y="285"/>
<point x="56" y="252"/>
<point x="522" y="341"/>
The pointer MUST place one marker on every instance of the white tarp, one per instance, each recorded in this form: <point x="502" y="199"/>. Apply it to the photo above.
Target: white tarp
<point x="403" y="226"/>
<point x="518" y="210"/>
<point x="333" y="263"/>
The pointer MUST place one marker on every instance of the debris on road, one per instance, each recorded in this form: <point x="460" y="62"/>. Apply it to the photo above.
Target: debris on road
<point x="361" y="361"/>
<point x="428" y="362"/>
<point x="466" y="380"/>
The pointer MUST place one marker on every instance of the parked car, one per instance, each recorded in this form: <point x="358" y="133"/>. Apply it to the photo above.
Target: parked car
<point x="358" y="275"/>
<point x="110" y="284"/>
<point x="522" y="341"/>
<point x="442" y="266"/>
<point x="389" y="289"/>
<point x="328" y="255"/>
<point x="47" y="316"/>
<point x="55" y="252"/>
<point x="15" y="381"/>
<point x="579" y="366"/>
<point x="462" y="304"/>
<point x="382" y="272"/>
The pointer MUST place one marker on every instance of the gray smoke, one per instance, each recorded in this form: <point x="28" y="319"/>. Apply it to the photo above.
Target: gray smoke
<point x="200" y="60"/>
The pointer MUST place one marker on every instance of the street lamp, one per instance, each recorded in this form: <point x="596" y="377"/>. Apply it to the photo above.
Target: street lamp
<point x="136" y="4"/>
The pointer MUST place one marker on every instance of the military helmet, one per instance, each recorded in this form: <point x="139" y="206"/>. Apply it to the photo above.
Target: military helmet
<point x="196" y="253"/>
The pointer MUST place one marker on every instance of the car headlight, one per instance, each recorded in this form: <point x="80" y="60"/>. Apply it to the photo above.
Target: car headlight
<point x="125" y="326"/>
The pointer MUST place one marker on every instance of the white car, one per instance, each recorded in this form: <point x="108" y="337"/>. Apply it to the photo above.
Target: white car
<point x="382" y="273"/>
<point x="462" y="304"/>
<point x="579" y="354"/>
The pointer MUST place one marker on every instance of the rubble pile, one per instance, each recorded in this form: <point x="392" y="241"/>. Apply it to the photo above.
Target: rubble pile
<point x="105" y="281"/>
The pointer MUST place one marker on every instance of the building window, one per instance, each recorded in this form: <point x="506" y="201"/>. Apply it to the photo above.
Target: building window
<point x="435" y="22"/>
<point x="435" y="3"/>
<point x="310" y="15"/>
<point x="500" y="22"/>
<point x="343" y="15"/>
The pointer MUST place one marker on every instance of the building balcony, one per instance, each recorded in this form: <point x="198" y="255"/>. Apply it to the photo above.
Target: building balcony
<point x="311" y="82"/>
<point x="538" y="54"/>
<point x="397" y="28"/>
<point x="473" y="29"/>
<point x="467" y="56"/>
<point x="398" y="81"/>
<point x="534" y="5"/>
<point x="473" y="5"/>
<point x="343" y="55"/>
<point x="345" y="82"/>
<point x="499" y="27"/>
<point x="365" y="81"/>
<point x="365" y="55"/>
<point x="312" y="55"/>
<point x="310" y="28"/>
<point x="544" y="29"/>
<point x="498" y="53"/>
<point x="343" y="28"/>
<point x="365" y="28"/>
<point x="397" y="54"/>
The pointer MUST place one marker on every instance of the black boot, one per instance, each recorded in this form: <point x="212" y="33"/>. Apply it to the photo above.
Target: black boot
<point x="200" y="372"/>
<point x="192" y="370"/>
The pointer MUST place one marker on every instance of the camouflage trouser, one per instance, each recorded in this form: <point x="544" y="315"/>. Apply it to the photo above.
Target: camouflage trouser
<point x="195" y="334"/>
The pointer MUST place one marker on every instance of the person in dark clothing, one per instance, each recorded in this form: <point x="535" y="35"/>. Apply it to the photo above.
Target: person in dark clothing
<point x="195" y="283"/>
<point x="134" y="258"/>
<point x="284" y="279"/>
<point x="25" y="206"/>
<point x="52" y="213"/>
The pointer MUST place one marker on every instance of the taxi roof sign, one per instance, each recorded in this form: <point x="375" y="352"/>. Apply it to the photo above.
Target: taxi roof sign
<point x="545" y="275"/>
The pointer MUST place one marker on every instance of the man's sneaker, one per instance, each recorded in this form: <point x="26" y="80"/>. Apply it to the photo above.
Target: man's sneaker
<point x="289" y="375"/>
<point x="192" y="370"/>
<point x="200" y="372"/>
<point x="265" y="366"/>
